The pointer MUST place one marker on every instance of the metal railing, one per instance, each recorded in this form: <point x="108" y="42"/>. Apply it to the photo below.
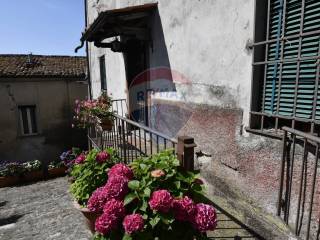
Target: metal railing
<point x="131" y="139"/>
<point x="299" y="192"/>
<point x="120" y="107"/>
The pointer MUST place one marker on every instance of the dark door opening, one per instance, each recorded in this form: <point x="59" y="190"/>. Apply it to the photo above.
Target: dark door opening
<point x="137" y="80"/>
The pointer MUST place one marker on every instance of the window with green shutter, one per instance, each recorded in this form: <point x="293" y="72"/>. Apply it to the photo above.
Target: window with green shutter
<point x="286" y="66"/>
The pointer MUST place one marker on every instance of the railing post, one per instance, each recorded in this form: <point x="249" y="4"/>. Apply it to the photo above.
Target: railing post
<point x="124" y="146"/>
<point x="283" y="160"/>
<point x="185" y="152"/>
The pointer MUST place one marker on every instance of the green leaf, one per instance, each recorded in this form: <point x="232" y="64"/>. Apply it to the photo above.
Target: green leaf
<point x="134" y="185"/>
<point x="196" y="187"/>
<point x="127" y="237"/>
<point x="129" y="198"/>
<point x="178" y="184"/>
<point x="154" y="221"/>
<point x="147" y="192"/>
<point x="176" y="163"/>
<point x="143" y="166"/>
<point x="144" y="206"/>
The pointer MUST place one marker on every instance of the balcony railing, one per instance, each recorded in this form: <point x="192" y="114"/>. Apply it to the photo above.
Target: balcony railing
<point x="120" y="107"/>
<point x="131" y="139"/>
<point x="299" y="192"/>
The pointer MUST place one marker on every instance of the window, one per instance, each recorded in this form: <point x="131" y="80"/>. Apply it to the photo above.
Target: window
<point x="28" y="121"/>
<point x="103" y="78"/>
<point x="286" y="89"/>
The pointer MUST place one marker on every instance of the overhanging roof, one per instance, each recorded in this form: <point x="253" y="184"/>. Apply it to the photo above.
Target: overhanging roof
<point x="116" y="22"/>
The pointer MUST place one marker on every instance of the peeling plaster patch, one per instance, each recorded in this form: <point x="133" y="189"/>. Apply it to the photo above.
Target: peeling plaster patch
<point x="175" y="22"/>
<point x="217" y="91"/>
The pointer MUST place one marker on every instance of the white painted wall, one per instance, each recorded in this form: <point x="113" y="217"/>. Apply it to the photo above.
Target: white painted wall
<point x="205" y="41"/>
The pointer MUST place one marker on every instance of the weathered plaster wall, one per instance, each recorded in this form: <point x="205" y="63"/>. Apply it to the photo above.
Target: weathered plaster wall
<point x="54" y="100"/>
<point x="189" y="37"/>
<point x="205" y="41"/>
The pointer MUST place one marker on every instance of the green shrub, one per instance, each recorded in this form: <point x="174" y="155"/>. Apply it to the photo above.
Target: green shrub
<point x="91" y="174"/>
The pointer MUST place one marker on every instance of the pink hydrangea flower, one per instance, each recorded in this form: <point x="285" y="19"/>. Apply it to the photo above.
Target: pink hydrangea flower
<point x="117" y="187"/>
<point x="102" y="157"/>
<point x="161" y="201"/>
<point x="114" y="207"/>
<point x="97" y="200"/>
<point x="183" y="209"/>
<point x="205" y="218"/>
<point x="106" y="223"/>
<point x="121" y="169"/>
<point x="133" y="223"/>
<point x="80" y="159"/>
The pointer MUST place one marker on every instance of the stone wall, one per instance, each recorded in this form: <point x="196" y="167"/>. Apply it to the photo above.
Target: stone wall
<point x="54" y="101"/>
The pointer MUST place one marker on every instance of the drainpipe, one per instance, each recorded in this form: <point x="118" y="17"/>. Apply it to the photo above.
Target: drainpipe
<point x="87" y="50"/>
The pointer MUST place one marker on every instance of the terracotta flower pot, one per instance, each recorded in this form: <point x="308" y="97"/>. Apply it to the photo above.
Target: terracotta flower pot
<point x="31" y="176"/>
<point x="57" y="172"/>
<point x="106" y="124"/>
<point x="8" y="181"/>
<point x="90" y="217"/>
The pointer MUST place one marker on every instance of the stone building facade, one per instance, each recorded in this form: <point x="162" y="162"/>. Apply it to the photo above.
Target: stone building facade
<point x="37" y="95"/>
<point x="209" y="69"/>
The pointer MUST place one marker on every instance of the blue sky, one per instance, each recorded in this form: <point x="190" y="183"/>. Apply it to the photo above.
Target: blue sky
<point x="50" y="27"/>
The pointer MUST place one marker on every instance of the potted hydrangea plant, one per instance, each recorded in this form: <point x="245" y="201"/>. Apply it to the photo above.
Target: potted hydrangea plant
<point x="89" y="173"/>
<point x="151" y="199"/>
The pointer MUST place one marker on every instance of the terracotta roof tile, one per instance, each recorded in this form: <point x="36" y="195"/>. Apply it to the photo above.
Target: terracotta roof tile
<point x="24" y="65"/>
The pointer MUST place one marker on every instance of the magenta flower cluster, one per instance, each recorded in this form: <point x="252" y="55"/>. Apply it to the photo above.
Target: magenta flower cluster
<point x="161" y="201"/>
<point x="202" y="216"/>
<point x="102" y="157"/>
<point x="80" y="159"/>
<point x="122" y="170"/>
<point x="108" y="200"/>
<point x="183" y="209"/>
<point x="116" y="188"/>
<point x="205" y="218"/>
<point x="133" y="223"/>
<point x="113" y="212"/>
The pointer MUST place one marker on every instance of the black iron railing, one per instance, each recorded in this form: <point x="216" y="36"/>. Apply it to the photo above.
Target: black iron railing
<point x="120" y="107"/>
<point x="131" y="139"/>
<point x="299" y="193"/>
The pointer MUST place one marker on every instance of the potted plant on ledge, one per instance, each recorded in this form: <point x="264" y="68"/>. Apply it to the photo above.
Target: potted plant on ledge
<point x="102" y="110"/>
<point x="94" y="112"/>
<point x="13" y="173"/>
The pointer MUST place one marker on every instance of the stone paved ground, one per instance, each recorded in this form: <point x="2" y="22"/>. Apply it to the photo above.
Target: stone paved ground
<point x="40" y="211"/>
<point x="44" y="211"/>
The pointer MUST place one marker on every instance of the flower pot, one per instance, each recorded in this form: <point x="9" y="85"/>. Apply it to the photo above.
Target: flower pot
<point x="31" y="176"/>
<point x="90" y="217"/>
<point x="106" y="124"/>
<point x="57" y="172"/>
<point x="8" y="181"/>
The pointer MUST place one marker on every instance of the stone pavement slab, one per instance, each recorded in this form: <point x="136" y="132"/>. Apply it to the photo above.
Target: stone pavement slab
<point x="40" y="211"/>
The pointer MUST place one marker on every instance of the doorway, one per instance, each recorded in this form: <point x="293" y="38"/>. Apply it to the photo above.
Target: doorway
<point x="136" y="61"/>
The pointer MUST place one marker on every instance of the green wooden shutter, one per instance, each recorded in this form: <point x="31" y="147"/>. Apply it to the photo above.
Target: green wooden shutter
<point x="307" y="69"/>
